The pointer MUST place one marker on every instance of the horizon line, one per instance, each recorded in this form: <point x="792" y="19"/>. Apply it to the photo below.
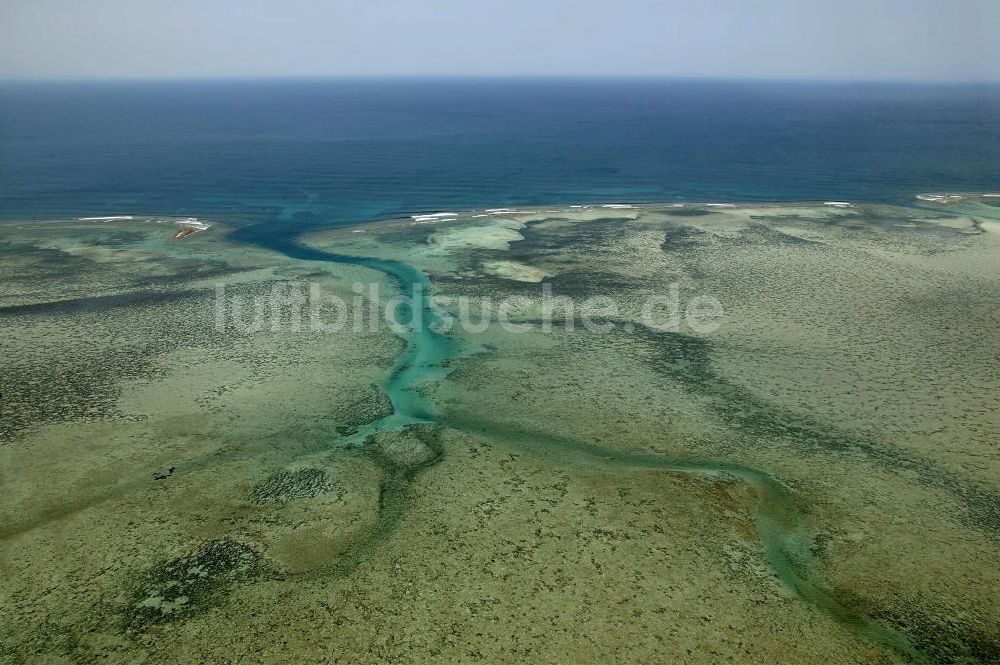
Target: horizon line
<point x="209" y="78"/>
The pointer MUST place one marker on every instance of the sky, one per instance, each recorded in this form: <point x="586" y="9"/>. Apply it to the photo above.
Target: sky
<point x="913" y="40"/>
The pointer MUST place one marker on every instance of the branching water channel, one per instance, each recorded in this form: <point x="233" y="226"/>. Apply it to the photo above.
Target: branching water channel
<point x="782" y="529"/>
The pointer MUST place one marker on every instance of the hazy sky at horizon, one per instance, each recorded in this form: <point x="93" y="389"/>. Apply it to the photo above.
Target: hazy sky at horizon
<point x="835" y="39"/>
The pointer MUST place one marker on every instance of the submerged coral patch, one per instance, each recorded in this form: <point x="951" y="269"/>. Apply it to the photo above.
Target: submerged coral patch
<point x="288" y="485"/>
<point x="189" y="583"/>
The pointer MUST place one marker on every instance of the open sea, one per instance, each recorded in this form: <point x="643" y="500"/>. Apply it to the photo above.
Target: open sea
<point x="288" y="155"/>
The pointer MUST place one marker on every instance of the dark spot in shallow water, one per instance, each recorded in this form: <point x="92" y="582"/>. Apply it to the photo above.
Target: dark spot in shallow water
<point x="97" y="303"/>
<point x="367" y="406"/>
<point x="289" y="485"/>
<point x="691" y="212"/>
<point x="190" y="583"/>
<point x="679" y="238"/>
<point x="163" y="475"/>
<point x="768" y="235"/>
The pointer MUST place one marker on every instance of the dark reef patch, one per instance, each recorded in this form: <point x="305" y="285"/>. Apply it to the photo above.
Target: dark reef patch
<point x="290" y="485"/>
<point x="582" y="283"/>
<point x="945" y="635"/>
<point x="687" y="212"/>
<point x="757" y="233"/>
<point x="189" y="584"/>
<point x="421" y="450"/>
<point x="78" y="378"/>
<point x="84" y="388"/>
<point x="117" y="238"/>
<point x="400" y="472"/>
<point x="589" y="238"/>
<point x="682" y="238"/>
<point x="97" y="303"/>
<point x="369" y="406"/>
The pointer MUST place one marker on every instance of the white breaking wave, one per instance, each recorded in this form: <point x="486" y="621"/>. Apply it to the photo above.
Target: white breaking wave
<point x="940" y="198"/>
<point x="193" y="222"/>
<point x="434" y="215"/>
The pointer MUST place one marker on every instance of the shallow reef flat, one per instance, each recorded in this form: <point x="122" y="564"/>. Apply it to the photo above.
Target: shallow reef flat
<point x="856" y="362"/>
<point x="813" y="481"/>
<point x="138" y="441"/>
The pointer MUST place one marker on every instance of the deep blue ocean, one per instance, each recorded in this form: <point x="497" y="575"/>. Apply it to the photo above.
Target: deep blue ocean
<point x="288" y="155"/>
